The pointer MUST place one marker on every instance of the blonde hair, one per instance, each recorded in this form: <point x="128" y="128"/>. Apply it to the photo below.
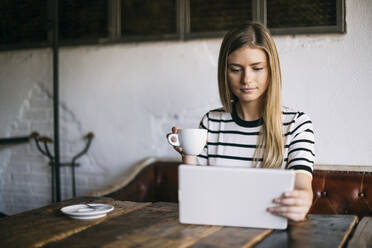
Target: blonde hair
<point x="270" y="144"/>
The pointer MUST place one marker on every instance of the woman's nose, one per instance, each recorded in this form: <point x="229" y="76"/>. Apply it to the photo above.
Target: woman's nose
<point x="248" y="77"/>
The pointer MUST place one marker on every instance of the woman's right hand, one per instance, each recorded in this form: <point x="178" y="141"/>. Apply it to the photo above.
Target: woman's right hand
<point x="177" y="148"/>
<point x="187" y="159"/>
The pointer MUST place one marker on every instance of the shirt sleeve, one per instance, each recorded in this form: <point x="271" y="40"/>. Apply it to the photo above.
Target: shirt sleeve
<point x="203" y="156"/>
<point x="301" y="152"/>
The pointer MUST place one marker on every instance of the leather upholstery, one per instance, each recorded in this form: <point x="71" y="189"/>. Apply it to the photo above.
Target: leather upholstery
<point x="342" y="192"/>
<point x="335" y="192"/>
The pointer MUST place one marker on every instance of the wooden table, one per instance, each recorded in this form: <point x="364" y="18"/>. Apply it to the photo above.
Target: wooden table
<point x="363" y="234"/>
<point x="134" y="224"/>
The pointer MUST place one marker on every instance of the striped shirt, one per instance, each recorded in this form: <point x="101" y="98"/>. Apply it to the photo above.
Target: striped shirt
<point x="232" y="141"/>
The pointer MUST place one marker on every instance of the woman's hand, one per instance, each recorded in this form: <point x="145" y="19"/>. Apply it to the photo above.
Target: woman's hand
<point x="295" y="204"/>
<point x="187" y="159"/>
<point x="177" y="148"/>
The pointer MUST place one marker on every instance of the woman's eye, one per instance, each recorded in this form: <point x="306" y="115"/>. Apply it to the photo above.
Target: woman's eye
<point x="235" y="69"/>
<point x="258" y="68"/>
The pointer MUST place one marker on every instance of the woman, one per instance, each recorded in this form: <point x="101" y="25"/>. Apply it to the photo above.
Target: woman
<point x="253" y="129"/>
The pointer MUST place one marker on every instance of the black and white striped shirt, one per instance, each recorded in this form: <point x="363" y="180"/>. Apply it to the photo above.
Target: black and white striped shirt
<point x="232" y="141"/>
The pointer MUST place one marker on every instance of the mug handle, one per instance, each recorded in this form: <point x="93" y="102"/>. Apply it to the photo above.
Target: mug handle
<point x="170" y="136"/>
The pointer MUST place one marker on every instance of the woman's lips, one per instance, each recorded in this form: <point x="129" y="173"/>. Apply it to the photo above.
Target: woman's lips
<point x="248" y="90"/>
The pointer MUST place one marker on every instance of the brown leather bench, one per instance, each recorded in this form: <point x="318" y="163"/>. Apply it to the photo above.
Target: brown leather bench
<point x="335" y="192"/>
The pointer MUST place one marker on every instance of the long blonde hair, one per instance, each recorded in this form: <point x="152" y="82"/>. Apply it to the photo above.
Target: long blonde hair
<point x="270" y="144"/>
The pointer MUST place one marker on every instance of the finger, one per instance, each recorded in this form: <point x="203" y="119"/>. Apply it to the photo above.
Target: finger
<point x="293" y="193"/>
<point x="291" y="201"/>
<point x="297" y="197"/>
<point x="294" y="217"/>
<point x="280" y="210"/>
<point x="175" y="129"/>
<point x="178" y="149"/>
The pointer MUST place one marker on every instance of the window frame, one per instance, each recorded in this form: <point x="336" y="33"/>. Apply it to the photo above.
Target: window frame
<point x="259" y="13"/>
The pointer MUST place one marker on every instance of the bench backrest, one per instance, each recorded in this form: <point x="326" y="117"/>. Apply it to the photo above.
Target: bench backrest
<point x="335" y="192"/>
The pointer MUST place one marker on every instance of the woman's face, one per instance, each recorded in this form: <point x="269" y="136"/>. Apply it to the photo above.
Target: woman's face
<point x="247" y="74"/>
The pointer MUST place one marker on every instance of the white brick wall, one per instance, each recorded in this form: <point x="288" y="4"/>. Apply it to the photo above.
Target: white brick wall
<point x="25" y="176"/>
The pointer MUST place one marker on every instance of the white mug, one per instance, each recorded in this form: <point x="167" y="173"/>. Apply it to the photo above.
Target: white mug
<point x="191" y="140"/>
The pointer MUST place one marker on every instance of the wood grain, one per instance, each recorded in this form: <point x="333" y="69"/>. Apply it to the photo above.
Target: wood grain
<point x="153" y="226"/>
<point x="134" y="224"/>
<point x="38" y="227"/>
<point x="317" y="231"/>
<point x="233" y="237"/>
<point x="363" y="234"/>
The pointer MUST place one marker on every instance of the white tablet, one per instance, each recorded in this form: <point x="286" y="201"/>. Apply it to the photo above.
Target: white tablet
<point x="231" y="196"/>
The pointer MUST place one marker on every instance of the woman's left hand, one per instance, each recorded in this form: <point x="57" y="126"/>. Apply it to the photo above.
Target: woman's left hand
<point x="295" y="204"/>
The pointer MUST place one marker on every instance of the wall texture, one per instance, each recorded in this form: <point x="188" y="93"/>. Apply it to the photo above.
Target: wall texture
<point x="130" y="95"/>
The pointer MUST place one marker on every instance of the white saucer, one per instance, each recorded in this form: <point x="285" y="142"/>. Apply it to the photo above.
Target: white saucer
<point x="89" y="217"/>
<point x="87" y="211"/>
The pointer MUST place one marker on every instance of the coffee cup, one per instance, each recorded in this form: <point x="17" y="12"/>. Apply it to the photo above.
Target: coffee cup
<point x="192" y="140"/>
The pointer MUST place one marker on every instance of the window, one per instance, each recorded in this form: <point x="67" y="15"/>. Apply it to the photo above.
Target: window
<point x="281" y="16"/>
<point x="83" y="19"/>
<point x="25" y="23"/>
<point x="304" y="16"/>
<point x="214" y="17"/>
<point x="148" y="17"/>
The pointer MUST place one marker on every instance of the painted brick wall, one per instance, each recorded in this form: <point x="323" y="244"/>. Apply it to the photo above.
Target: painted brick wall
<point x="25" y="174"/>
